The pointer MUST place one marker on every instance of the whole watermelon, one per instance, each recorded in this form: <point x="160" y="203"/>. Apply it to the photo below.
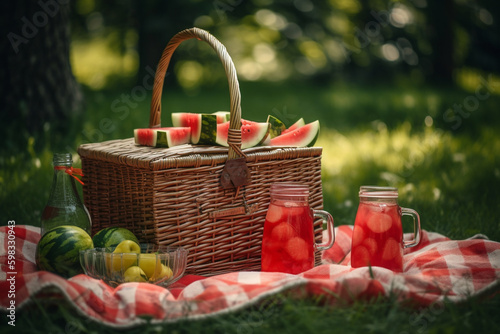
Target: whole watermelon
<point x="58" y="251"/>
<point x="112" y="236"/>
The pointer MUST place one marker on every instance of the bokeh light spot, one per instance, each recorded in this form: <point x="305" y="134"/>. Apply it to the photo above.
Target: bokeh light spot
<point x="390" y="52"/>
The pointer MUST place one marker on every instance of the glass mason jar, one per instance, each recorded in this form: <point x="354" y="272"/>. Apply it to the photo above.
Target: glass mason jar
<point x="288" y="241"/>
<point x="64" y="206"/>
<point x="377" y="238"/>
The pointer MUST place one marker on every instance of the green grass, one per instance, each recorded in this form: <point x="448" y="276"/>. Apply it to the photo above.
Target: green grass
<point x="286" y="314"/>
<point x="394" y="136"/>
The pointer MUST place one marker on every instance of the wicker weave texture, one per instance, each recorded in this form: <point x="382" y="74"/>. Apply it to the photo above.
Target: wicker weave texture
<point x="186" y="206"/>
<point x="174" y="197"/>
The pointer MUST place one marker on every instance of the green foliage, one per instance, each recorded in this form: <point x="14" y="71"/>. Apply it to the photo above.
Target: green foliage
<point x="281" y="40"/>
<point x="383" y="136"/>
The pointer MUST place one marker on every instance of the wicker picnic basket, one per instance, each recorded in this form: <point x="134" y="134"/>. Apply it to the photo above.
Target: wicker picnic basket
<point x="174" y="196"/>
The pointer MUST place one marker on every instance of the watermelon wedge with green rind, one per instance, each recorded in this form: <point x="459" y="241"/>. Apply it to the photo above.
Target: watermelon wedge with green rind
<point x="252" y="133"/>
<point x="208" y="133"/>
<point x="222" y="116"/>
<point x="276" y="126"/>
<point x="162" y="137"/>
<point x="294" y="126"/>
<point x="303" y="136"/>
<point x="203" y="126"/>
<point x="58" y="251"/>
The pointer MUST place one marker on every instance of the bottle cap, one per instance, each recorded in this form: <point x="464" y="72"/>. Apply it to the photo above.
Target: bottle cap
<point x="62" y="159"/>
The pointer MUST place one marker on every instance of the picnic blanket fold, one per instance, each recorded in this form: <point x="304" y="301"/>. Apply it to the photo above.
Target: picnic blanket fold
<point x="438" y="269"/>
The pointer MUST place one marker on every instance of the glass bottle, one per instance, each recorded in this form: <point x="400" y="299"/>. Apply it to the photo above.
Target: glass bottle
<point x="64" y="206"/>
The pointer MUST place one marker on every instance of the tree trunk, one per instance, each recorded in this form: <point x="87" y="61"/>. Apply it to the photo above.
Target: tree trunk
<point x="157" y="22"/>
<point x="36" y="80"/>
<point x="440" y="34"/>
<point x="155" y="28"/>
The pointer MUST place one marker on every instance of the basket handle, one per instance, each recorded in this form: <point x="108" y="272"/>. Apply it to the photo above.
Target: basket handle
<point x="234" y="135"/>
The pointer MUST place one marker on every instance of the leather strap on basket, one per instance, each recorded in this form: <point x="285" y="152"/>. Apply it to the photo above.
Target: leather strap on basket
<point x="234" y="141"/>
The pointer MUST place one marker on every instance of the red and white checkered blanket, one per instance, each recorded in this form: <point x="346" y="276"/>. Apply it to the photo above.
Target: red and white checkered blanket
<point x="438" y="269"/>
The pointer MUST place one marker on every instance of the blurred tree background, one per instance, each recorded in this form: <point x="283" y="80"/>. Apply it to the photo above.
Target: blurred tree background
<point x="117" y="43"/>
<point x="418" y="41"/>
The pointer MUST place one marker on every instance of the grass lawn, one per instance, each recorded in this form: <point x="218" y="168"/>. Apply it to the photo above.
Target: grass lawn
<point x="445" y="166"/>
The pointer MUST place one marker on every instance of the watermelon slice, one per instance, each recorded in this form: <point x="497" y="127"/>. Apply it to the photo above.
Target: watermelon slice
<point x="162" y="137"/>
<point x="276" y="127"/>
<point x="294" y="126"/>
<point x="203" y="126"/>
<point x="252" y="133"/>
<point x="300" y="137"/>
<point x="282" y="131"/>
<point x="222" y="116"/>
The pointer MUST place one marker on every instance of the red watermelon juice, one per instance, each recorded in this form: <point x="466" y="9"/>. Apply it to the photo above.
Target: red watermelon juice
<point x="378" y="237"/>
<point x="288" y="239"/>
<point x="288" y="243"/>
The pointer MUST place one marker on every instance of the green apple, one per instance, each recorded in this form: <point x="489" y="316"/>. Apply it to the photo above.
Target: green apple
<point x="165" y="272"/>
<point x="124" y="256"/>
<point x="135" y="274"/>
<point x="128" y="246"/>
<point x="151" y="264"/>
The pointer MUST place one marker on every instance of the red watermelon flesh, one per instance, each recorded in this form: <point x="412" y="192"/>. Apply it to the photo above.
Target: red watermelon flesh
<point x="190" y="120"/>
<point x="162" y="137"/>
<point x="222" y="116"/>
<point x="300" y="137"/>
<point x="294" y="126"/>
<point x="252" y="133"/>
<point x="203" y="126"/>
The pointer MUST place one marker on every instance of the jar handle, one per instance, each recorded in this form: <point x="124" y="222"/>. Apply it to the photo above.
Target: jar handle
<point x="326" y="217"/>
<point x="416" y="227"/>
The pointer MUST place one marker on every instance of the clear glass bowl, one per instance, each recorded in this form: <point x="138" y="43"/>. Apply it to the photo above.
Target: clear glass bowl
<point x="159" y="265"/>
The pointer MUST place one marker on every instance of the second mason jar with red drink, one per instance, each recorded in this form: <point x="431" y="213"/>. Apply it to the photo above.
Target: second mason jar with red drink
<point x="288" y="241"/>
<point x="378" y="232"/>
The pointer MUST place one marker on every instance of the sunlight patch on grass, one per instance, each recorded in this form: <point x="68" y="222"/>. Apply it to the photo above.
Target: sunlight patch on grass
<point x="399" y="158"/>
<point x="95" y="62"/>
<point x="428" y="166"/>
<point x="450" y="180"/>
<point x="474" y="81"/>
<point x="393" y="151"/>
